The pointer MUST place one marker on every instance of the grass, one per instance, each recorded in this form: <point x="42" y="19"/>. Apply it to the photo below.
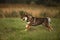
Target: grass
<point x="13" y="29"/>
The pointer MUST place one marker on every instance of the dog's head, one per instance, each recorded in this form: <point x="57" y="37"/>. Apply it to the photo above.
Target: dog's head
<point x="26" y="17"/>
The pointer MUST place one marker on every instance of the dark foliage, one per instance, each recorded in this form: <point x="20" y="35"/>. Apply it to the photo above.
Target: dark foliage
<point x="43" y="2"/>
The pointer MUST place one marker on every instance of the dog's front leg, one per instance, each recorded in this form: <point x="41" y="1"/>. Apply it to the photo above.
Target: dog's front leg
<point x="28" y="26"/>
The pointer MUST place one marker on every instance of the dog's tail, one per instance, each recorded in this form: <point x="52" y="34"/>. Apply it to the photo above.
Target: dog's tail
<point x="49" y="19"/>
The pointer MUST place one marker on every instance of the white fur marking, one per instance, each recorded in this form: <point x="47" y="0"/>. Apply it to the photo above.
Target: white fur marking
<point x="25" y="18"/>
<point x="28" y="22"/>
<point x="49" y="20"/>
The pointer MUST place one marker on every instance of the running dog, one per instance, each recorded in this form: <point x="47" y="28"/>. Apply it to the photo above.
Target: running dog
<point x="33" y="21"/>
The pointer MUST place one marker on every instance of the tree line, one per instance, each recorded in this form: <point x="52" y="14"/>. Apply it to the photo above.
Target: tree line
<point x="38" y="2"/>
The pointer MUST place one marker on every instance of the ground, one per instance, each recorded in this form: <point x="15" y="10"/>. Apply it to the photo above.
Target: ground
<point x="13" y="29"/>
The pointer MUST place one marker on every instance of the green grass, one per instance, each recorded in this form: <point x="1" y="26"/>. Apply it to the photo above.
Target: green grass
<point x="13" y="29"/>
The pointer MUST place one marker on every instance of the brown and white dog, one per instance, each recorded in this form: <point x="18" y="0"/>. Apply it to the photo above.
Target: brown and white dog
<point x="33" y="21"/>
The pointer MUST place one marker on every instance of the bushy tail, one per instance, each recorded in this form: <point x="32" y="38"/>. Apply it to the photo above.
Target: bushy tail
<point x="49" y="19"/>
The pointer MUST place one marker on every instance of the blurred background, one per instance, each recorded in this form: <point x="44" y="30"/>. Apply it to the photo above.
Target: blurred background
<point x="37" y="8"/>
<point x="12" y="27"/>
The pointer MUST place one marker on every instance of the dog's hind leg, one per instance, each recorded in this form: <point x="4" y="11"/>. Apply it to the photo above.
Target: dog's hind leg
<point x="47" y="24"/>
<point x="49" y="27"/>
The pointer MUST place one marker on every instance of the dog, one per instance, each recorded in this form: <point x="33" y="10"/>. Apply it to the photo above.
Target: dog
<point x="33" y="21"/>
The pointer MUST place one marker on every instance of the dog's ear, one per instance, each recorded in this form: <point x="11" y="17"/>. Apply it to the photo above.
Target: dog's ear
<point x="30" y="17"/>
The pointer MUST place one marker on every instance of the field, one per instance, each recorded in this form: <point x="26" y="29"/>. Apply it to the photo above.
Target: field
<point x="13" y="29"/>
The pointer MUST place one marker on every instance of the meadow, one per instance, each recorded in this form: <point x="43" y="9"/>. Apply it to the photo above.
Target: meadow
<point x="13" y="29"/>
